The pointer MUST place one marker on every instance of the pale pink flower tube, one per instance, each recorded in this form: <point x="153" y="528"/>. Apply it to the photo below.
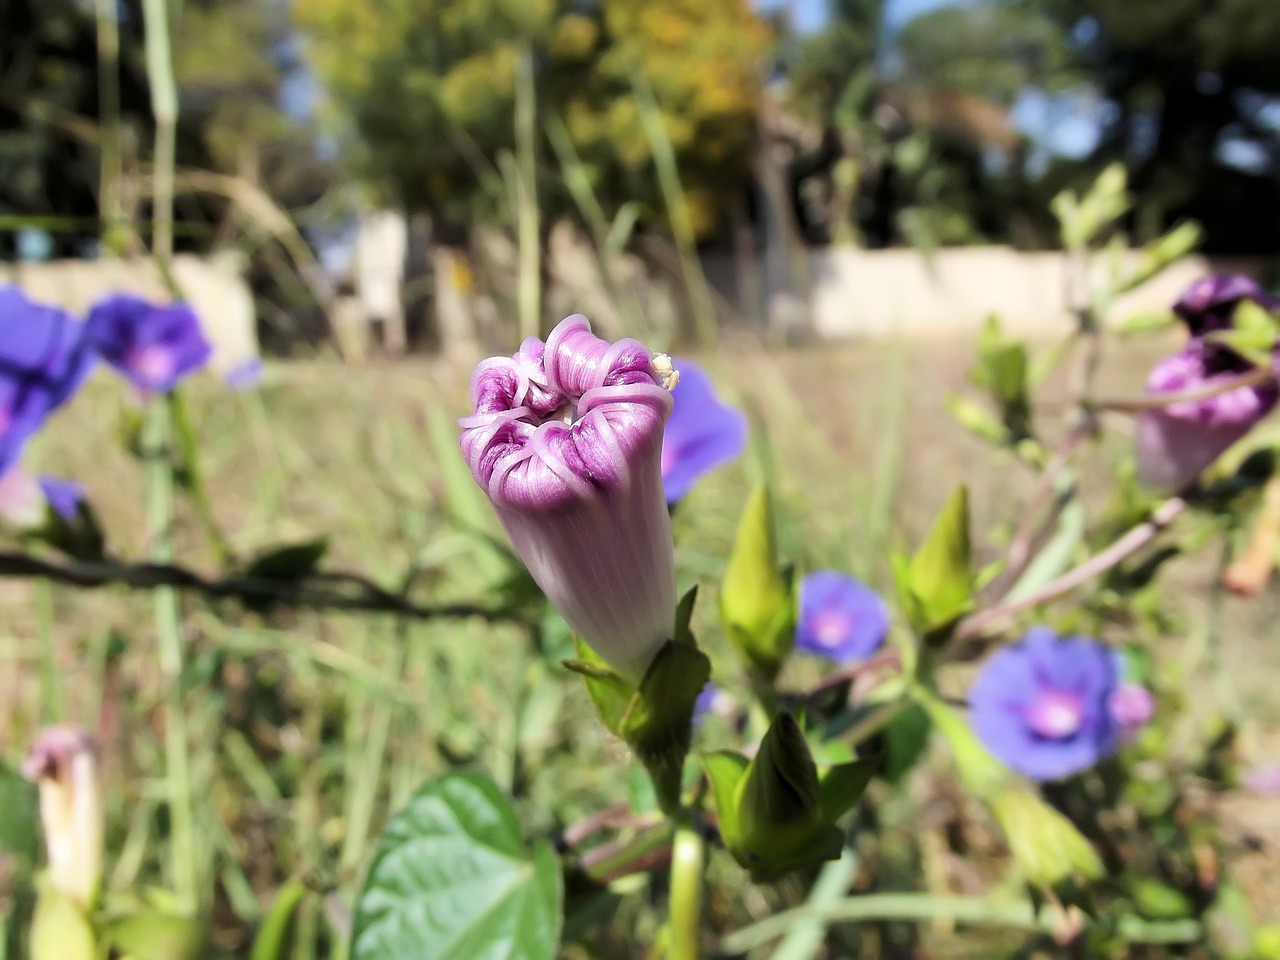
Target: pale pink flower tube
<point x="566" y="439"/>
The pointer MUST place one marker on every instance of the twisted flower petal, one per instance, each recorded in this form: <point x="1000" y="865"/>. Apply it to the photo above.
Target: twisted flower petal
<point x="566" y="440"/>
<point x="1175" y="443"/>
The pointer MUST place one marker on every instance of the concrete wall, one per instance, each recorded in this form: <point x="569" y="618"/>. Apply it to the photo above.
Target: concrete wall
<point x="875" y="293"/>
<point x="213" y="286"/>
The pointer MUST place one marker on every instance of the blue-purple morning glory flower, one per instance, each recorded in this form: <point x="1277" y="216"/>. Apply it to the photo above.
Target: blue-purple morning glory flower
<point x="1043" y="706"/>
<point x="44" y="358"/>
<point x="841" y="618"/>
<point x="244" y="375"/>
<point x="153" y="346"/>
<point x="702" y="434"/>
<point x="1208" y="304"/>
<point x="63" y="496"/>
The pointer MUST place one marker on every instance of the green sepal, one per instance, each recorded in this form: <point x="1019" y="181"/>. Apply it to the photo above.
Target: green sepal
<point x="60" y="930"/>
<point x="655" y="718"/>
<point x="684" y="616"/>
<point x="757" y="596"/>
<point x="840" y="787"/>
<point x="937" y="584"/>
<point x="725" y="770"/>
<point x="826" y="844"/>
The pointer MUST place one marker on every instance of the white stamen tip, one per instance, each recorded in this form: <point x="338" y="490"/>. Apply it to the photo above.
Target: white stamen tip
<point x="666" y="371"/>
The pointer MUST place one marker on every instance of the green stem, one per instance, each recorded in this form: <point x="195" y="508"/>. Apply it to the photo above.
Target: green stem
<point x="688" y="862"/>
<point x="169" y="648"/>
<point x="529" y="277"/>
<point x="875" y="721"/>
<point x="164" y="107"/>
<point x="50" y="686"/>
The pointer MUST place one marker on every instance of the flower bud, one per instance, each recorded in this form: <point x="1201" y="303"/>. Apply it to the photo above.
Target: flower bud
<point x="1177" y="442"/>
<point x="756" y="600"/>
<point x="566" y="440"/>
<point x="63" y="762"/>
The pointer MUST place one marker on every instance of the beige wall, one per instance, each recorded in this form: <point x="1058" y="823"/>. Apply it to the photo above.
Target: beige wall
<point x="213" y="286"/>
<point x="870" y="293"/>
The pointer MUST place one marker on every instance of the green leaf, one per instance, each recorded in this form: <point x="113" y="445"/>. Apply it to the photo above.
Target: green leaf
<point x="1159" y="254"/>
<point x="273" y="939"/>
<point x="905" y="740"/>
<point x="452" y="880"/>
<point x="19" y="816"/>
<point x="293" y="561"/>
<point x="978" y="420"/>
<point x="940" y="575"/>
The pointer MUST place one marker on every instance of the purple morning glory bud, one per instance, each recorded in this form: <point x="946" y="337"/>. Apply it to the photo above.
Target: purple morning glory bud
<point x="153" y="346"/>
<point x="1043" y="706"/>
<point x="1208" y="304"/>
<point x="63" y="496"/>
<point x="1177" y="442"/>
<point x="64" y="762"/>
<point x="702" y="434"/>
<point x="44" y="358"/>
<point x="841" y="618"/>
<point x="566" y="440"/>
<point x="1131" y="705"/>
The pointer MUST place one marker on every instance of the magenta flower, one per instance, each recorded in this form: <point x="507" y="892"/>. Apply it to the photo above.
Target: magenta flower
<point x="566" y="440"/>
<point x="702" y="434"/>
<point x="44" y="359"/>
<point x="1209" y="304"/>
<point x="1043" y="706"/>
<point x="153" y="346"/>
<point x="841" y="618"/>
<point x="1175" y="443"/>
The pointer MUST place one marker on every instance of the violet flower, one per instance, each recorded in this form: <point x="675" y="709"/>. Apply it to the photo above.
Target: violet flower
<point x="566" y="440"/>
<point x="44" y="358"/>
<point x="701" y="435"/>
<point x="153" y="346"/>
<point x="244" y="375"/>
<point x="1209" y="304"/>
<point x="63" y="496"/>
<point x="841" y="618"/>
<point x="1175" y="443"/>
<point x="1042" y="706"/>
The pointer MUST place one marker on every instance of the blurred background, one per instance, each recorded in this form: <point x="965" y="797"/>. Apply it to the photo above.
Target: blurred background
<point x="360" y="180"/>
<point x="429" y="175"/>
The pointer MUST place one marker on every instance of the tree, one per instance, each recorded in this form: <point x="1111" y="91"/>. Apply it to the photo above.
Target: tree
<point x="1189" y="83"/>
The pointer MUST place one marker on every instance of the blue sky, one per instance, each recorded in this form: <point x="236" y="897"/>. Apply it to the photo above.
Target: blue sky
<point x="808" y="15"/>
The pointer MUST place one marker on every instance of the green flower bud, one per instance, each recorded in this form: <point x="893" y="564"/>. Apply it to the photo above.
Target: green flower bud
<point x="59" y="929"/>
<point x="757" y="602"/>
<point x="778" y="812"/>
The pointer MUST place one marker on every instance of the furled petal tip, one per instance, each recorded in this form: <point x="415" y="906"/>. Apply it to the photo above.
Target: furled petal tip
<point x="1177" y="442"/>
<point x="63" y="761"/>
<point x="1209" y="303"/>
<point x="153" y="346"/>
<point x="701" y="435"/>
<point x="566" y="440"/>
<point x="1044" y="706"/>
<point x="841" y="618"/>
<point x="44" y="358"/>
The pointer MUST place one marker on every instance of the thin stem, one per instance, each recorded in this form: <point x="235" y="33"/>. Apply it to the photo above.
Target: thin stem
<point x="875" y="721"/>
<point x="321" y="591"/>
<point x="50" y="684"/>
<point x="610" y="861"/>
<point x="920" y="907"/>
<point x="1253" y="378"/>
<point x="111" y="166"/>
<point x="164" y="107"/>
<point x="985" y="620"/>
<point x="169" y="649"/>
<point x="530" y="271"/>
<point x="688" y="862"/>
